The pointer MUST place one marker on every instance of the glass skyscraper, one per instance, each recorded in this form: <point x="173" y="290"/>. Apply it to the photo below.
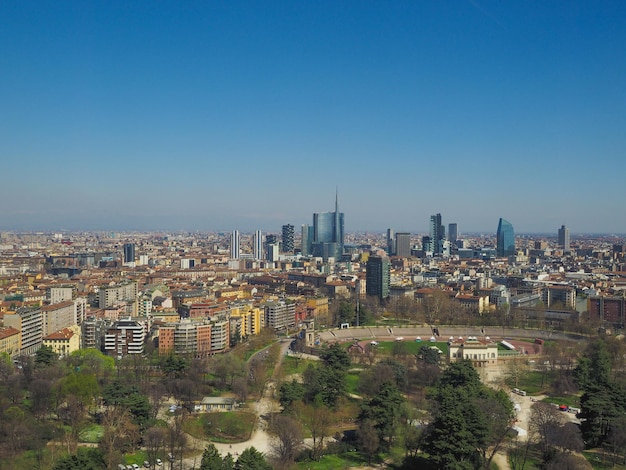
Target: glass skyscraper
<point x="437" y="233"/>
<point x="328" y="234"/>
<point x="505" y="239"/>
<point x="378" y="277"/>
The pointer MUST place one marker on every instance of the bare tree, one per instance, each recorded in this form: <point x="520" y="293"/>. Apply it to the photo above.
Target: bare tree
<point x="317" y="419"/>
<point x="544" y="425"/>
<point x="289" y="439"/>
<point x="154" y="440"/>
<point x="120" y="434"/>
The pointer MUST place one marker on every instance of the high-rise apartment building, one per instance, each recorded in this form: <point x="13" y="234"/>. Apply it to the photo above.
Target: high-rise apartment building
<point x="437" y="233"/>
<point x="124" y="337"/>
<point x="280" y="315"/>
<point x="328" y="233"/>
<point x="288" y="238"/>
<point x="403" y="244"/>
<point x="453" y="233"/>
<point x="564" y="238"/>
<point x="378" y="276"/>
<point x="29" y="321"/>
<point x="505" y="239"/>
<point x="129" y="252"/>
<point x="257" y="245"/>
<point x="234" y="244"/>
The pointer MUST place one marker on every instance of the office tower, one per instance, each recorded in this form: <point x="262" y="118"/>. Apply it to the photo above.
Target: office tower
<point x="288" y="238"/>
<point x="427" y="245"/>
<point x="257" y="245"/>
<point x="437" y="233"/>
<point x="234" y="244"/>
<point x="391" y="242"/>
<point x="505" y="239"/>
<point x="129" y="252"/>
<point x="272" y="252"/>
<point x="328" y="234"/>
<point x="378" y="276"/>
<point x="270" y="239"/>
<point x="564" y="238"/>
<point x="453" y="233"/>
<point x="403" y="244"/>
<point x="306" y="235"/>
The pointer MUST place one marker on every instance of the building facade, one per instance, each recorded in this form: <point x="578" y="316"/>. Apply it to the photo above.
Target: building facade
<point x="505" y="239"/>
<point x="378" y="277"/>
<point x="288" y="238"/>
<point x="563" y="235"/>
<point x="235" y="244"/>
<point x="125" y="337"/>
<point x="403" y="244"/>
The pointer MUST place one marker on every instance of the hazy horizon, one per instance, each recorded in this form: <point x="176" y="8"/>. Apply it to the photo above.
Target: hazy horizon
<point x="216" y="116"/>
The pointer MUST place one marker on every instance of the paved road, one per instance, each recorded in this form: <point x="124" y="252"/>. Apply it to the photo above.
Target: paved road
<point x="260" y="439"/>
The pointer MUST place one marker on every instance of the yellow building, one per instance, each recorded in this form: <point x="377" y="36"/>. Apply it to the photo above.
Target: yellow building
<point x="64" y="341"/>
<point x="317" y="307"/>
<point x="10" y="341"/>
<point x="251" y="319"/>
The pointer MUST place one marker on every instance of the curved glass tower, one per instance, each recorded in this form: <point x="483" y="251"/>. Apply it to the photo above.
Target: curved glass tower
<point x="505" y="239"/>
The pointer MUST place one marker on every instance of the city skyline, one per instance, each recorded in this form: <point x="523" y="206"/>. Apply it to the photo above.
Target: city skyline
<point x="210" y="117"/>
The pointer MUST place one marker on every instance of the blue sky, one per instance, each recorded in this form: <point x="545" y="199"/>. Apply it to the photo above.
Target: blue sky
<point x="219" y="115"/>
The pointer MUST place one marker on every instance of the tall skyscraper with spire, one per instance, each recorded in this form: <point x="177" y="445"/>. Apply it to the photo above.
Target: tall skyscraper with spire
<point x="328" y="233"/>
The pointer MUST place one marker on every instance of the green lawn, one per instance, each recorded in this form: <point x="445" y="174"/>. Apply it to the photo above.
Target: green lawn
<point x="601" y="461"/>
<point x="330" y="462"/>
<point x="352" y="382"/>
<point x="571" y="401"/>
<point x="411" y="347"/>
<point x="92" y="434"/>
<point x="292" y="365"/>
<point x="536" y="382"/>
<point x="226" y="427"/>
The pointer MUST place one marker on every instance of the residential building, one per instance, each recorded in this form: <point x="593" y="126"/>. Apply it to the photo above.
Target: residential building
<point x="92" y="333"/>
<point x="563" y="295"/>
<point x="58" y="294"/>
<point x="29" y="321"/>
<point x="186" y="337"/>
<point x="280" y="314"/>
<point x="125" y="337"/>
<point x="378" y="277"/>
<point x="437" y="234"/>
<point x="58" y="316"/>
<point x="64" y="341"/>
<point x="220" y="335"/>
<point x="505" y="239"/>
<point x="250" y="319"/>
<point x="126" y="292"/>
<point x="10" y="341"/>
<point x="288" y="238"/>
<point x="607" y="310"/>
